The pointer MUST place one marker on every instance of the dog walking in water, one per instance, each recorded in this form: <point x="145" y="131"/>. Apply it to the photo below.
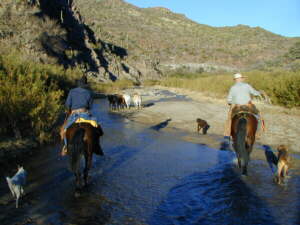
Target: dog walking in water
<point x="16" y="184"/>
<point x="283" y="165"/>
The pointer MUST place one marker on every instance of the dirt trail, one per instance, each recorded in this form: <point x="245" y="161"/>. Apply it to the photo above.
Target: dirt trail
<point x="282" y="124"/>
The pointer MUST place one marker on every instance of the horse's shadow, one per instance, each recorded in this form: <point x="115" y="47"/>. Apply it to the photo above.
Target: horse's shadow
<point x="217" y="196"/>
<point x="161" y="125"/>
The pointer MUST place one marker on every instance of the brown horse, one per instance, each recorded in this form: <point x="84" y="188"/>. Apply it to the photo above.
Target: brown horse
<point x="243" y="129"/>
<point x="83" y="140"/>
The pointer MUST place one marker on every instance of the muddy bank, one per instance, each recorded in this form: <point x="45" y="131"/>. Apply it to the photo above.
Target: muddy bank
<point x="183" y="107"/>
<point x="13" y="151"/>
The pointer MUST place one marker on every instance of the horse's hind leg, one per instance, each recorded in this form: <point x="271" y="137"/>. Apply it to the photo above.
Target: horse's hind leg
<point x="239" y="162"/>
<point x="78" y="181"/>
<point x="244" y="163"/>
<point x="88" y="165"/>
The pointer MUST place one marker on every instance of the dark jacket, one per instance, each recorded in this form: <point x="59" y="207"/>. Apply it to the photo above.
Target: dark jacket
<point x="79" y="98"/>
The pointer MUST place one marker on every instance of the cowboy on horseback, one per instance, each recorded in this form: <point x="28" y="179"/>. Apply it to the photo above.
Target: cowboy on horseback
<point x="78" y="103"/>
<point x="240" y="97"/>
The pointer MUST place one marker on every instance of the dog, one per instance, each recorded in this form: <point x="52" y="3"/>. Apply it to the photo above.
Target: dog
<point x="283" y="165"/>
<point x="16" y="184"/>
<point x="202" y="124"/>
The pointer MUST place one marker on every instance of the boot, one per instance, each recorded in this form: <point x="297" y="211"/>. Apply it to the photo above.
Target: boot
<point x="64" y="151"/>
<point x="98" y="150"/>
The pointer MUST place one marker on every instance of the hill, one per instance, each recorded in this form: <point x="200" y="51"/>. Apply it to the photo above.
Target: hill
<point x="159" y="36"/>
<point x="111" y="39"/>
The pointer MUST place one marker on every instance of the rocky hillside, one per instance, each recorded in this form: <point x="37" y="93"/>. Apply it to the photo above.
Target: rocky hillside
<point x="159" y="36"/>
<point x="54" y="32"/>
<point x="111" y="39"/>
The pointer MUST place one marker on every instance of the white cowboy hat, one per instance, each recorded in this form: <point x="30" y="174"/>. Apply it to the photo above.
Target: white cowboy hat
<point x="238" y="75"/>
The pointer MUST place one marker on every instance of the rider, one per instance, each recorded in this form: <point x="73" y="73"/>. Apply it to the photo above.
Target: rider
<point x="78" y="103"/>
<point x="239" y="94"/>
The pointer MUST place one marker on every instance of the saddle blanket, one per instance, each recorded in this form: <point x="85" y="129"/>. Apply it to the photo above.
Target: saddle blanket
<point x="81" y="118"/>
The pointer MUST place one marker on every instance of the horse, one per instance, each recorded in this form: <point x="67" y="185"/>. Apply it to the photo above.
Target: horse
<point x="243" y="129"/>
<point x="83" y="140"/>
<point x="113" y="102"/>
<point x="127" y="100"/>
<point x="137" y="100"/>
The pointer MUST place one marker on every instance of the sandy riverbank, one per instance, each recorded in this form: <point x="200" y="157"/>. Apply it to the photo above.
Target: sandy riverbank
<point x="183" y="107"/>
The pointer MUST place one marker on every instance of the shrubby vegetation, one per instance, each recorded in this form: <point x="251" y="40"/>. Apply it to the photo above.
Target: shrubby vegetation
<point x="112" y="87"/>
<point x="282" y="87"/>
<point x="31" y="97"/>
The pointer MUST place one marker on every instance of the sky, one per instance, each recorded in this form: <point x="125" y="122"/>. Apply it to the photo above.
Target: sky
<point x="278" y="16"/>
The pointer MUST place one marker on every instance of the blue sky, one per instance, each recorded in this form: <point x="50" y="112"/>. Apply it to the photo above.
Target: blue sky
<point x="278" y="16"/>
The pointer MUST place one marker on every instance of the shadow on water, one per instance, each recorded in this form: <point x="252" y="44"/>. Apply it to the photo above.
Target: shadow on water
<point x="271" y="158"/>
<point x="217" y="196"/>
<point x="161" y="125"/>
<point x="148" y="105"/>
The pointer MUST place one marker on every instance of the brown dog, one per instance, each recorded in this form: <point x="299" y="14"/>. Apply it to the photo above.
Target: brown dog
<point x="283" y="164"/>
<point x="202" y="124"/>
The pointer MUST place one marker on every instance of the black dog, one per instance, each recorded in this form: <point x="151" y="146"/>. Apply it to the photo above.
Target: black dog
<point x="202" y="124"/>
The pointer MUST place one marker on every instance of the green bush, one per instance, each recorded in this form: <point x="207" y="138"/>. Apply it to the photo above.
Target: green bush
<point x="283" y="87"/>
<point x="112" y="87"/>
<point x="31" y="97"/>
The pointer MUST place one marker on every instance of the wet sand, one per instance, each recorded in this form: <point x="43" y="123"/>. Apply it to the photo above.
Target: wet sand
<point x="183" y="107"/>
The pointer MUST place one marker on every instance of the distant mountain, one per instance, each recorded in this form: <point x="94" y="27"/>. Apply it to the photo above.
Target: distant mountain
<point x="161" y="36"/>
<point x="111" y="39"/>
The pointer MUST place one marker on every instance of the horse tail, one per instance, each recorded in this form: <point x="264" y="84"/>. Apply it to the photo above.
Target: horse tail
<point x="76" y="147"/>
<point x="241" y="144"/>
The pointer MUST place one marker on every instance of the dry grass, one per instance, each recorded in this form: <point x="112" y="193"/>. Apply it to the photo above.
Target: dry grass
<point x="282" y="87"/>
<point x="112" y="87"/>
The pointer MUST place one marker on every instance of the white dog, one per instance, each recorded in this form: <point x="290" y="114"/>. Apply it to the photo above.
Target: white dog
<point x="16" y="184"/>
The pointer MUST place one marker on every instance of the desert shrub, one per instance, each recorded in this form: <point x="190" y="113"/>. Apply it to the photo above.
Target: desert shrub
<point x="294" y="51"/>
<point x="112" y="87"/>
<point x="283" y="87"/>
<point x="31" y="97"/>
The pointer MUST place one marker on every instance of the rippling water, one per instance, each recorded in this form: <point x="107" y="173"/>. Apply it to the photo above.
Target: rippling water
<point x="152" y="176"/>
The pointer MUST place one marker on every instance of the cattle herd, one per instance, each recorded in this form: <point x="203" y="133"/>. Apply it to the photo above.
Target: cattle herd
<point x="123" y="101"/>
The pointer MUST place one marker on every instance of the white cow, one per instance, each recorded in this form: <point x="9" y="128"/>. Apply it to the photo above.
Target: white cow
<point x="137" y="100"/>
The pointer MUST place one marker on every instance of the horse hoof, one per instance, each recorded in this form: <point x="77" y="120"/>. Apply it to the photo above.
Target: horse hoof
<point x="245" y="174"/>
<point x="77" y="194"/>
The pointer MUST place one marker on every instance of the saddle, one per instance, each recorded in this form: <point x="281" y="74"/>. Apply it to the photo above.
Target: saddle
<point x="249" y="108"/>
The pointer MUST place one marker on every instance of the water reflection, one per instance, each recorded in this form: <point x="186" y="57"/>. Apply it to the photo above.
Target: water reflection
<point x="216" y="196"/>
